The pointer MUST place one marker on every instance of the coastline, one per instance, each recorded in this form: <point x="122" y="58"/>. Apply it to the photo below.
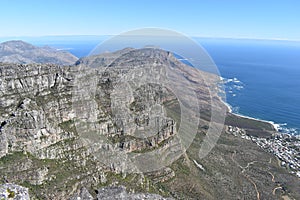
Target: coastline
<point x="273" y="124"/>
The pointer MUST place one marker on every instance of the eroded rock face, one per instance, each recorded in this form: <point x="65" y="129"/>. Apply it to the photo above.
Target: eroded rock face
<point x="120" y="193"/>
<point x="34" y="100"/>
<point x="39" y="106"/>
<point x="83" y="195"/>
<point x="48" y="113"/>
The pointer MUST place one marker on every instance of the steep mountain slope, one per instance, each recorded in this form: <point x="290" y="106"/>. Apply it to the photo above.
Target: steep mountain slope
<point x="64" y="129"/>
<point x="25" y="53"/>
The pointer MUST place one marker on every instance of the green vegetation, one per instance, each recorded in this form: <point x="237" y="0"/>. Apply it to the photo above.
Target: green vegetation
<point x="66" y="173"/>
<point x="151" y="148"/>
<point x="62" y="171"/>
<point x="68" y="126"/>
<point x="12" y="158"/>
<point x="11" y="194"/>
<point x="173" y="111"/>
<point x="134" y="182"/>
<point x="180" y="168"/>
<point x="245" y="123"/>
<point x="118" y="139"/>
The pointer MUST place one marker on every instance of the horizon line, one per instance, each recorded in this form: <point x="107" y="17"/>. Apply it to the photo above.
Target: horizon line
<point x="203" y="37"/>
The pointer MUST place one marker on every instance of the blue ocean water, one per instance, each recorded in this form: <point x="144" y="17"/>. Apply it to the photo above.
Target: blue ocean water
<point x="262" y="77"/>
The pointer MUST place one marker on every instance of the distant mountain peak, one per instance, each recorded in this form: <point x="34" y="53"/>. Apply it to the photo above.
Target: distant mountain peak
<point x="18" y="51"/>
<point x="18" y="44"/>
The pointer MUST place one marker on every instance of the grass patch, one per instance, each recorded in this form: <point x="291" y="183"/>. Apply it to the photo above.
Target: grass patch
<point x="11" y="158"/>
<point x="245" y="123"/>
<point x="68" y="126"/>
<point x="180" y="168"/>
<point x="11" y="194"/>
<point x="173" y="111"/>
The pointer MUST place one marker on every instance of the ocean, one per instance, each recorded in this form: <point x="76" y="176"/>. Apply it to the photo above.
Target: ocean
<point x="262" y="77"/>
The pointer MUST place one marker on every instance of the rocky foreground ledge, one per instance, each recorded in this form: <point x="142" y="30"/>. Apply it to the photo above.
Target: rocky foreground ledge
<point x="12" y="191"/>
<point x="15" y="192"/>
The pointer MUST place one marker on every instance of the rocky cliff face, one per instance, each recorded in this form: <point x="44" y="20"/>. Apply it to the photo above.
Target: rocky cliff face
<point x="42" y="114"/>
<point x="35" y="99"/>
<point x="40" y="107"/>
<point x="65" y="128"/>
<point x="22" y="52"/>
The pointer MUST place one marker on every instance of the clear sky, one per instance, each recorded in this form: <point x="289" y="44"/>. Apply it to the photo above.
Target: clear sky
<point x="267" y="19"/>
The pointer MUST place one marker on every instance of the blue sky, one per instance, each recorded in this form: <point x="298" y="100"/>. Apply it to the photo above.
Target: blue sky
<point x="209" y="18"/>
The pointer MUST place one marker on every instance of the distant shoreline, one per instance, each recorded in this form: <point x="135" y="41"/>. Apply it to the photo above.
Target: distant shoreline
<point x="274" y="125"/>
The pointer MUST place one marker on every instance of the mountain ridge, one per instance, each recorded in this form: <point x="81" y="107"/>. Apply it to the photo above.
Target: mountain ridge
<point x="18" y="51"/>
<point x="42" y="149"/>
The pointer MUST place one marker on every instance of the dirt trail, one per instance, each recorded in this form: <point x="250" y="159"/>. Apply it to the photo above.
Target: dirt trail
<point x="257" y="192"/>
<point x="273" y="178"/>
<point x="246" y="176"/>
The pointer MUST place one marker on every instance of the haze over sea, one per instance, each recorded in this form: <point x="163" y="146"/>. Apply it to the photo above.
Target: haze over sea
<point x="262" y="76"/>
